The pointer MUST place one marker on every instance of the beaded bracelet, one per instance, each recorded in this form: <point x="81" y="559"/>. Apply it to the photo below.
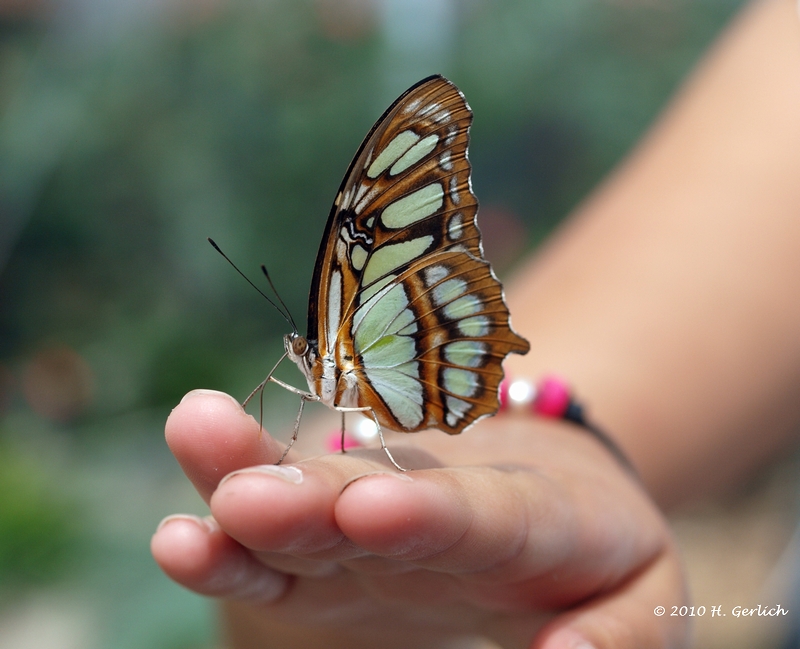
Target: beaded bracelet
<point x="550" y="398"/>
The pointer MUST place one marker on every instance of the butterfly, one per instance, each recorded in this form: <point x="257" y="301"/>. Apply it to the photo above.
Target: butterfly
<point x="406" y="320"/>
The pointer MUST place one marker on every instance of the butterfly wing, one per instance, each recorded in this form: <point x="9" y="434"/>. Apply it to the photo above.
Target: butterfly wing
<point x="407" y="315"/>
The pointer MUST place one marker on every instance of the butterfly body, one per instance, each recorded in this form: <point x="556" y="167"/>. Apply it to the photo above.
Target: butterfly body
<point x="406" y="320"/>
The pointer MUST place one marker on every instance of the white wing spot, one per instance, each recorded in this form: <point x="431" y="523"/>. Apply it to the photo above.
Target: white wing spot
<point x="448" y="291"/>
<point x="454" y="195"/>
<point x="457" y="409"/>
<point x="390" y="257"/>
<point x="366" y="200"/>
<point x="413" y="207"/>
<point x="360" y="193"/>
<point x="442" y="117"/>
<point x="414" y="154"/>
<point x="463" y="383"/>
<point x="341" y="244"/>
<point x="334" y="307"/>
<point x="430" y="108"/>
<point x="358" y="256"/>
<point x="455" y="226"/>
<point x="370" y="221"/>
<point x="451" y="135"/>
<point x="463" y="307"/>
<point x="346" y="200"/>
<point x="474" y="327"/>
<point x="412" y="106"/>
<point x="466" y="353"/>
<point x="434" y="274"/>
<point x="401" y="143"/>
<point x="445" y="162"/>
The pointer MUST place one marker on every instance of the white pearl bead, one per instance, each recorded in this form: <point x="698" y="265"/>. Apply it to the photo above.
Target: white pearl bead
<point x="521" y="392"/>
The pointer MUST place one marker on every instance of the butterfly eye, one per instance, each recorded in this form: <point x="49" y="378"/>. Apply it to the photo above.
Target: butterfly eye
<point x="299" y="346"/>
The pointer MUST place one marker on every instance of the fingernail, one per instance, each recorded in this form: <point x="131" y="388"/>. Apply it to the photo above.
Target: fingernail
<point x="288" y="473"/>
<point x="200" y="522"/>
<point x="392" y="474"/>
<point x="209" y="393"/>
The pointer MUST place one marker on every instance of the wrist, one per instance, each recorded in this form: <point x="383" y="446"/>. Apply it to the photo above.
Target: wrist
<point x="552" y="398"/>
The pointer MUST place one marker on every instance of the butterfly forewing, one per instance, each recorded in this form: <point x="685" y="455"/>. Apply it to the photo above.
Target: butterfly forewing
<point x="408" y="318"/>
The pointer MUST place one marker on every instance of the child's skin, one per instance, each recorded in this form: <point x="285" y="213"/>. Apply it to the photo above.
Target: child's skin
<point x="671" y="301"/>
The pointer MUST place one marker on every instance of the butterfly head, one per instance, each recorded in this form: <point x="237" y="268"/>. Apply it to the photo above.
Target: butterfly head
<point x="296" y="346"/>
<point x="302" y="353"/>
<point x="305" y="355"/>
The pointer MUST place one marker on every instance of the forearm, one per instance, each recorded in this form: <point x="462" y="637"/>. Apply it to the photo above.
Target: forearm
<point x="671" y="300"/>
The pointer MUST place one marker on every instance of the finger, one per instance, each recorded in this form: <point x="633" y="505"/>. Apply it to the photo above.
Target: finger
<point x="290" y="509"/>
<point x="195" y="553"/>
<point x="493" y="527"/>
<point x="211" y="435"/>
<point x="628" y="617"/>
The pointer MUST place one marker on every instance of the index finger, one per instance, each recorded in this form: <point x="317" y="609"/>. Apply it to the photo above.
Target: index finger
<point x="211" y="435"/>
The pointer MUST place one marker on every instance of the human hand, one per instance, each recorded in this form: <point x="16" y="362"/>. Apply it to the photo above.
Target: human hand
<point x="531" y="531"/>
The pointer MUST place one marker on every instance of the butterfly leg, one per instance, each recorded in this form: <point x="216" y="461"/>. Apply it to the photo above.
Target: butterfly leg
<point x="303" y="399"/>
<point x="343" y="429"/>
<point x="383" y="442"/>
<point x="260" y="390"/>
<point x="304" y="396"/>
<point x="260" y="386"/>
<point x="380" y="432"/>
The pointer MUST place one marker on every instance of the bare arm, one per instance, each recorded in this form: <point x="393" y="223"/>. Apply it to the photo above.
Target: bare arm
<point x="672" y="299"/>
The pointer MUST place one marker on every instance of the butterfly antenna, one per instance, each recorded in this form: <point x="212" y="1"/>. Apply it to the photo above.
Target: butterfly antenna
<point x="286" y="317"/>
<point x="280" y="299"/>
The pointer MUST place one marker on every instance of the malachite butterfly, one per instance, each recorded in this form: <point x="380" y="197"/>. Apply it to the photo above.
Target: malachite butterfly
<point x="406" y="320"/>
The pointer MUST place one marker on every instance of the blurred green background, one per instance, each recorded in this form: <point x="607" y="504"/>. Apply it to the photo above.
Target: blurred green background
<point x="130" y="130"/>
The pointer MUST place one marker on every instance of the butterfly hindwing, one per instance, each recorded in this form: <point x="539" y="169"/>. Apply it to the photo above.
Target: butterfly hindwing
<point x="406" y="313"/>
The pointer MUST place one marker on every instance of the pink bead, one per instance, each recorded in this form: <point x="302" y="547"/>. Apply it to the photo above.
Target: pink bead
<point x="552" y="397"/>
<point x="502" y="394"/>
<point x="333" y="442"/>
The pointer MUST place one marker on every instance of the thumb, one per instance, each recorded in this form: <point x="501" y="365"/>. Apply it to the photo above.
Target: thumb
<point x="634" y="616"/>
